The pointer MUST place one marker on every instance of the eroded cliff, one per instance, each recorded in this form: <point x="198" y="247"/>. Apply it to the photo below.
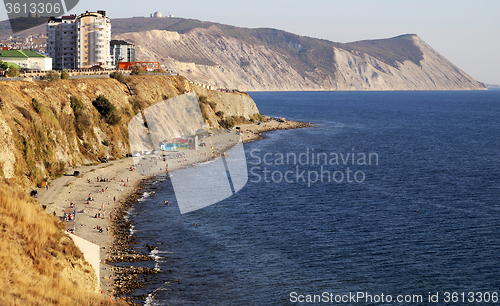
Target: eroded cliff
<point x="43" y="131"/>
<point x="275" y="60"/>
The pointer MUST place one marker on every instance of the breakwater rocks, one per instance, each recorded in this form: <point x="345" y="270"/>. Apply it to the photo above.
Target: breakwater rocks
<point x="128" y="278"/>
<point x="251" y="132"/>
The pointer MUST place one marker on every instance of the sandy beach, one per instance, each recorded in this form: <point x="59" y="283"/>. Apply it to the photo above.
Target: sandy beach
<point x="102" y="193"/>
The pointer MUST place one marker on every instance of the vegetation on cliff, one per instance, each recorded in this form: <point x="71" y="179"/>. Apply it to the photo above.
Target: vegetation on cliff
<point x="60" y="124"/>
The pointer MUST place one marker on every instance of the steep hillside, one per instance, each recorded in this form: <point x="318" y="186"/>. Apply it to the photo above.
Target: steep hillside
<point x="39" y="264"/>
<point x="270" y="59"/>
<point x="47" y="127"/>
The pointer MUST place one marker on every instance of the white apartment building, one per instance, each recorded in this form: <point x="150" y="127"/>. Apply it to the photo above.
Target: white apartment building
<point x="80" y="41"/>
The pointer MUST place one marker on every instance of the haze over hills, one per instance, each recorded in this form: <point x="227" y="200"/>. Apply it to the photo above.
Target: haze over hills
<point x="270" y="59"/>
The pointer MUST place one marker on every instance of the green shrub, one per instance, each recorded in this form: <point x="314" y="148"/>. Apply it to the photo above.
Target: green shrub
<point x="258" y="117"/>
<point x="203" y="99"/>
<point x="107" y="110"/>
<point x="118" y="75"/>
<point x="52" y="76"/>
<point x="220" y="114"/>
<point x="77" y="105"/>
<point x="64" y="75"/>
<point x="137" y="104"/>
<point x="106" y="143"/>
<point x="227" y="123"/>
<point x="36" y="105"/>
<point x="13" y="72"/>
<point x="137" y="70"/>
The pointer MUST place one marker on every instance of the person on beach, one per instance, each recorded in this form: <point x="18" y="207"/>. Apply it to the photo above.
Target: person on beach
<point x="114" y="199"/>
<point x="107" y="230"/>
<point x="166" y="202"/>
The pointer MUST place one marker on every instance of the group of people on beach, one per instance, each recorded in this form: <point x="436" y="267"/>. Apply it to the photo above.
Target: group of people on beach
<point x="102" y="179"/>
<point x="99" y="228"/>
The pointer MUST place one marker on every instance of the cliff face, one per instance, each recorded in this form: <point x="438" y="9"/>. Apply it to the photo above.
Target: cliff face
<point x="214" y="57"/>
<point x="42" y="132"/>
<point x="364" y="72"/>
<point x="210" y="58"/>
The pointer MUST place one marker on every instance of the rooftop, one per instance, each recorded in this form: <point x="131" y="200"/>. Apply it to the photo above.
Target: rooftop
<point x="120" y="42"/>
<point x="20" y="53"/>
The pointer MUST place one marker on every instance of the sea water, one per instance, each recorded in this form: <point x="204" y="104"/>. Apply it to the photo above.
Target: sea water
<point x="421" y="218"/>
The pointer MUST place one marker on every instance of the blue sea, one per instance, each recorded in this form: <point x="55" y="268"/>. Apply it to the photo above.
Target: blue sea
<point x="406" y="204"/>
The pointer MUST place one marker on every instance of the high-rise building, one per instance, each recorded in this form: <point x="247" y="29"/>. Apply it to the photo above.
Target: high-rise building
<point x="122" y="51"/>
<point x="80" y="41"/>
<point x="61" y="42"/>
<point x="94" y="37"/>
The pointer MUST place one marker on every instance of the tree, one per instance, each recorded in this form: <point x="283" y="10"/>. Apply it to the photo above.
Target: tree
<point x="107" y="110"/>
<point x="136" y="70"/>
<point x="3" y="65"/>
<point x="13" y="72"/>
<point x="52" y="76"/>
<point x="64" y="75"/>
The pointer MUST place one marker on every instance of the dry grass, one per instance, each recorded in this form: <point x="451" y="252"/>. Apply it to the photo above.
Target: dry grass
<point x="39" y="265"/>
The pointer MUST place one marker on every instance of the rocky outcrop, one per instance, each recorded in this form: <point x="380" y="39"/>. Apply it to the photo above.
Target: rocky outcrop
<point x="211" y="57"/>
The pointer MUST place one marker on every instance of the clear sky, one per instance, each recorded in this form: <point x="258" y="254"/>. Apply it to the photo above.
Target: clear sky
<point x="467" y="32"/>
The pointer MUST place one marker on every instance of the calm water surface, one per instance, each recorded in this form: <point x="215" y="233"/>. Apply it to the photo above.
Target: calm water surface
<point x="425" y="218"/>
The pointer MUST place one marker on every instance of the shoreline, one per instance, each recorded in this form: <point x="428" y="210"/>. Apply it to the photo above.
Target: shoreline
<point x="113" y="196"/>
<point x="252" y="132"/>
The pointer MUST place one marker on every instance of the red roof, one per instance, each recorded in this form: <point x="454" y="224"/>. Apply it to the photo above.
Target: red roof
<point x="181" y="140"/>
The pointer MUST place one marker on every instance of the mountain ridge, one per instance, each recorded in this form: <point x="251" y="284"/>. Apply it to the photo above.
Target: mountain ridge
<point x="271" y="59"/>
